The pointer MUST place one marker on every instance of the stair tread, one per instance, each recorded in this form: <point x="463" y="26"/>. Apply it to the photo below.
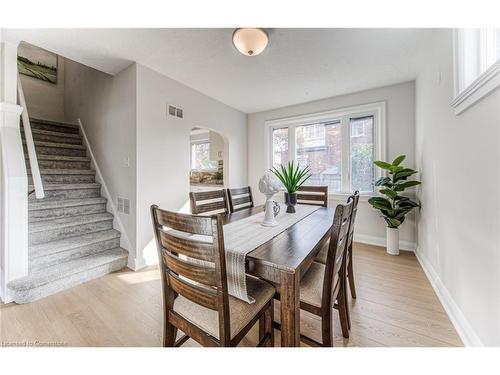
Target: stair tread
<point x="67" y="186"/>
<point x="57" y="145"/>
<point x="63" y="171"/>
<point x="60" y="271"/>
<point x="51" y="204"/>
<point x="40" y="226"/>
<point x="55" y="134"/>
<point x="57" y="123"/>
<point x="61" y="157"/>
<point x="65" y="244"/>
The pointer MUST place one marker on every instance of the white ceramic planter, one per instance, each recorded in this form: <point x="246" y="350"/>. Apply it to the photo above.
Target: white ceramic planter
<point x="392" y="241"/>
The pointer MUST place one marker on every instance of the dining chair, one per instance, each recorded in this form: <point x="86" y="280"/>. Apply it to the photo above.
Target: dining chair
<point x="349" y="259"/>
<point x="208" y="202"/>
<point x="240" y="198"/>
<point x="317" y="196"/>
<point x="313" y="195"/>
<point x="322" y="287"/>
<point x="194" y="286"/>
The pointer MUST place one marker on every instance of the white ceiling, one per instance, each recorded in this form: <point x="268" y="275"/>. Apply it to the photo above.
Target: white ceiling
<point x="299" y="65"/>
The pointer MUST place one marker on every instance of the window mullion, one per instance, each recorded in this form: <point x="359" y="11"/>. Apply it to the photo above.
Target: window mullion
<point x="291" y="143"/>
<point x="346" y="164"/>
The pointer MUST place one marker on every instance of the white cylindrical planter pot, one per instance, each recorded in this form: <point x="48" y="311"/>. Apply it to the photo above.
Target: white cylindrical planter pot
<point x="392" y="241"/>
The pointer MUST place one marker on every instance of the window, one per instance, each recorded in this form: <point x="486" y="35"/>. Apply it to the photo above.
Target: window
<point x="477" y="65"/>
<point x="280" y="146"/>
<point x="338" y="146"/>
<point x="200" y="157"/>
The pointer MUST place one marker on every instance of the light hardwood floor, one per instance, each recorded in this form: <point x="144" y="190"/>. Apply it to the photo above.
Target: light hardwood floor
<point x="396" y="306"/>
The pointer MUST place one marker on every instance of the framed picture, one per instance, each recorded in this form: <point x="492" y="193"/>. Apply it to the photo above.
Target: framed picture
<point x="37" y="63"/>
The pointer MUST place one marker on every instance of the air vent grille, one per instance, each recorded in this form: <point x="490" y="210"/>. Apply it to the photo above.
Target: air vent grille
<point x="175" y="111"/>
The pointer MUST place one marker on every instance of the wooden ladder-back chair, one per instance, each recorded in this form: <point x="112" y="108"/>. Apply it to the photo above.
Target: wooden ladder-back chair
<point x="349" y="259"/>
<point x="313" y="195"/>
<point x="208" y="202"/>
<point x="322" y="287"/>
<point x="194" y="285"/>
<point x="240" y="198"/>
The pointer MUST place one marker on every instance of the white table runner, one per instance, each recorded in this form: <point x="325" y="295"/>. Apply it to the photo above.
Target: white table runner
<point x="245" y="235"/>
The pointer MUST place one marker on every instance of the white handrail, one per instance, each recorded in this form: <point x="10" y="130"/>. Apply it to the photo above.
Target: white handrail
<point x="35" y="171"/>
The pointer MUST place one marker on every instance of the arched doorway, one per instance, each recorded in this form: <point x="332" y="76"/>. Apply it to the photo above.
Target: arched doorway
<point x="207" y="160"/>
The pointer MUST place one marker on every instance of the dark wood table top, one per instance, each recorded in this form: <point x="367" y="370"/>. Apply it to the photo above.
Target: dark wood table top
<point x="296" y="246"/>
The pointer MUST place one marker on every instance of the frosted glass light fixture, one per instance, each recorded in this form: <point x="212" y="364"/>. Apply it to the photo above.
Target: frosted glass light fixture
<point x="250" y="42"/>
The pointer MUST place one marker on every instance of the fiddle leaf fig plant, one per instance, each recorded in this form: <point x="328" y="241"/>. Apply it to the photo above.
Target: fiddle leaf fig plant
<point x="292" y="176"/>
<point x="394" y="207"/>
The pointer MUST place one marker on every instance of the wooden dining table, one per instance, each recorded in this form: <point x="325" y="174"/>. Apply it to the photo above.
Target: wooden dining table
<point x="284" y="259"/>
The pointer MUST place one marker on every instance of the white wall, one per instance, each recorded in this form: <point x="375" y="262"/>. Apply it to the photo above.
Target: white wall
<point x="400" y="100"/>
<point x="46" y="100"/>
<point x="107" y="107"/>
<point x="163" y="146"/>
<point x="458" y="227"/>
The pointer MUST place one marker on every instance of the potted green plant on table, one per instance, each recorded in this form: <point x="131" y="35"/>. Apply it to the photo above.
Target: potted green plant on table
<point x="292" y="177"/>
<point x="394" y="206"/>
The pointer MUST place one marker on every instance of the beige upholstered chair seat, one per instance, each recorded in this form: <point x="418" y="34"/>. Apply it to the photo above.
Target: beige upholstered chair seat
<point x="311" y="284"/>
<point x="240" y="312"/>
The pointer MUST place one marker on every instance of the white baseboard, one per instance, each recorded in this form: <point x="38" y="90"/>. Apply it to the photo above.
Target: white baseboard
<point x="124" y="240"/>
<point x="459" y="321"/>
<point x="135" y="264"/>
<point x="380" y="241"/>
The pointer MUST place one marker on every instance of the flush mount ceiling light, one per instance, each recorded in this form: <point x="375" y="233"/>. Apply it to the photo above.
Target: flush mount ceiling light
<point x="250" y="42"/>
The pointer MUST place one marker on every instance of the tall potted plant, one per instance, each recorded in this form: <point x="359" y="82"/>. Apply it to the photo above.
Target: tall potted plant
<point x="394" y="207"/>
<point x="292" y="177"/>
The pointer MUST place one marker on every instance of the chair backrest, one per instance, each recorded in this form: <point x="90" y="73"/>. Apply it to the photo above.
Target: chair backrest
<point x="192" y="262"/>
<point x="335" y="259"/>
<point x="313" y="195"/>
<point x="354" y="199"/>
<point x="208" y="202"/>
<point x="240" y="198"/>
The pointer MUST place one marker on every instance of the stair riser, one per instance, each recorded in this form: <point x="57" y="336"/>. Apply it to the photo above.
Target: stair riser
<point x="68" y="194"/>
<point x="56" y="139"/>
<point x="72" y="254"/>
<point x="60" y="164"/>
<point x="76" y="230"/>
<point x="55" y="128"/>
<point x="34" y="294"/>
<point x="44" y="150"/>
<point x="54" y="213"/>
<point x="65" y="179"/>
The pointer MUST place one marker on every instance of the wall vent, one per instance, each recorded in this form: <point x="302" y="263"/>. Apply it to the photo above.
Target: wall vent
<point x="175" y="111"/>
<point x="123" y="205"/>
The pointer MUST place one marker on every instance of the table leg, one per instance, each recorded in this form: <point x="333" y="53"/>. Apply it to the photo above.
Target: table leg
<point x="290" y="309"/>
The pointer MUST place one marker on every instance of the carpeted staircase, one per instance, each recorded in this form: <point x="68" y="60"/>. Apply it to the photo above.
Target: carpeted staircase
<point x="71" y="236"/>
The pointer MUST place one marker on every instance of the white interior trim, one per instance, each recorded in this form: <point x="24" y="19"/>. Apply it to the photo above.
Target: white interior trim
<point x="13" y="200"/>
<point x="459" y="321"/>
<point x="124" y="240"/>
<point x="484" y="85"/>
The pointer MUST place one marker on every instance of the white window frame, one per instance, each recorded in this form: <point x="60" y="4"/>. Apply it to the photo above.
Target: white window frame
<point x="471" y="61"/>
<point x="377" y="110"/>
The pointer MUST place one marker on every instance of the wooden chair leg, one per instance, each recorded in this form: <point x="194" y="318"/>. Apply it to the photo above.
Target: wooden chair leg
<point x="169" y="335"/>
<point x="341" y="300"/>
<point x="327" y="329"/>
<point x="350" y="277"/>
<point x="262" y="326"/>
<point x="269" y="319"/>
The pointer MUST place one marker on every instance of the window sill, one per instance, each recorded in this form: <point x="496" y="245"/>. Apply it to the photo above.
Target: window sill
<point x="480" y="88"/>
<point x="363" y="197"/>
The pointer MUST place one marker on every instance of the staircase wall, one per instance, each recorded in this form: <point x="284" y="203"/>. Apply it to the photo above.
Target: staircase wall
<point x="46" y="100"/>
<point x="106" y="106"/>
